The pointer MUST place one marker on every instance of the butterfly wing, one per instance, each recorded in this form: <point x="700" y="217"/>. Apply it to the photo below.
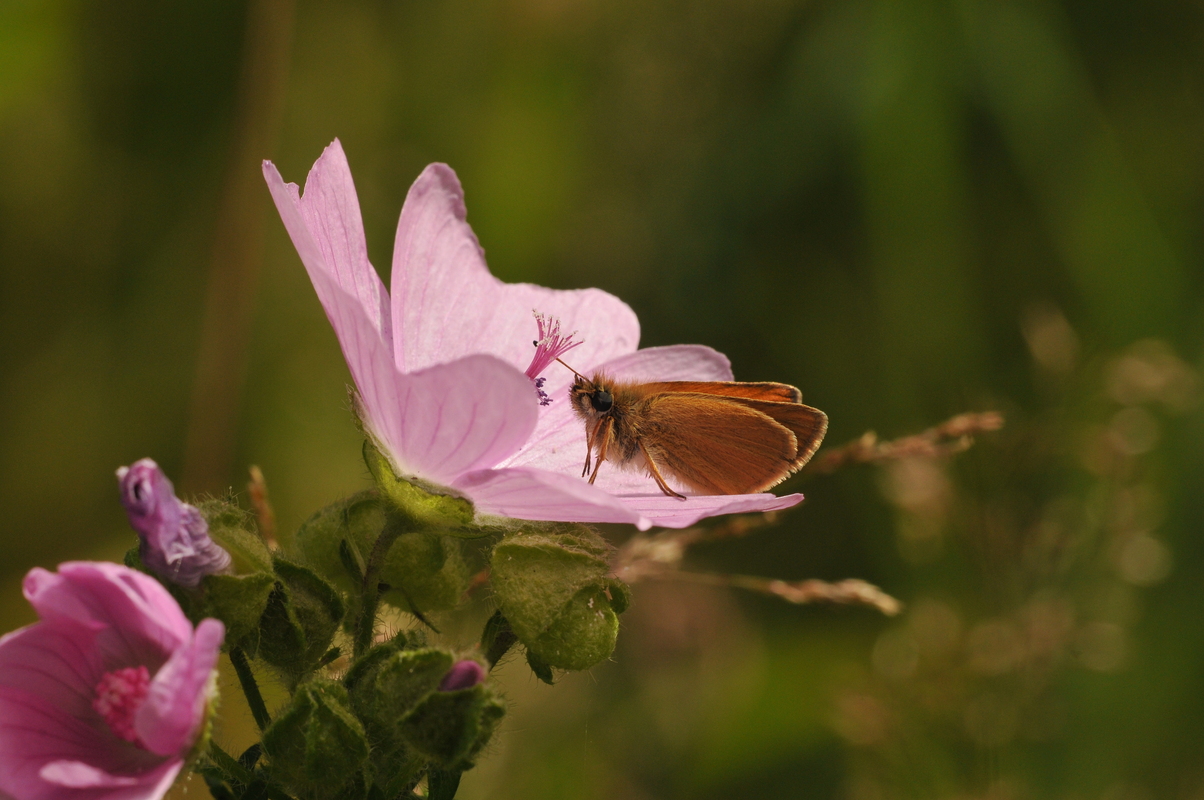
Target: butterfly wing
<point x="717" y="445"/>
<point x="806" y="423"/>
<point x="773" y="392"/>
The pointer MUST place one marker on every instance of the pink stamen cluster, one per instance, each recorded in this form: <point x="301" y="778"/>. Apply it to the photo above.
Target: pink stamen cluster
<point x="118" y="697"/>
<point x="550" y="345"/>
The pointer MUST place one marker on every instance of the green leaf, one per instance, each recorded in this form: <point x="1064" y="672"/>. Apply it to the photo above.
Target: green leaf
<point x="316" y="747"/>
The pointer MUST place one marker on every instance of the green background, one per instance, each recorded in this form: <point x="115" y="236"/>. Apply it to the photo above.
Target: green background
<point x="908" y="208"/>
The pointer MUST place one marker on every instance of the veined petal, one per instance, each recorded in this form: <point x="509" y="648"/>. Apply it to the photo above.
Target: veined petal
<point x="328" y="232"/>
<point x="526" y="493"/>
<point x="452" y="418"/>
<point x="439" y="422"/>
<point x="446" y="304"/>
<point x="55" y="664"/>
<point x="171" y="716"/>
<point x="34" y="734"/>
<point x="671" y="512"/>
<point x="134" y="617"/>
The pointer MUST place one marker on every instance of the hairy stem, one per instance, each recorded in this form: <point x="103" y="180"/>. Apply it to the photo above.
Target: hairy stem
<point x="250" y="688"/>
<point x="371" y="590"/>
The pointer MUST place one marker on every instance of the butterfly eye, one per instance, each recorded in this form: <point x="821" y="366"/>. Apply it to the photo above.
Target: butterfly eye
<point x="601" y="401"/>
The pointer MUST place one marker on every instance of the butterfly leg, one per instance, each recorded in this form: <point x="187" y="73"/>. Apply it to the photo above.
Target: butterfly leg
<point x="604" y="426"/>
<point x="656" y="474"/>
<point x="590" y="439"/>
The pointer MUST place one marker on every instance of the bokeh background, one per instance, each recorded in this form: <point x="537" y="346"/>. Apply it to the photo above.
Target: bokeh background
<point x="908" y="208"/>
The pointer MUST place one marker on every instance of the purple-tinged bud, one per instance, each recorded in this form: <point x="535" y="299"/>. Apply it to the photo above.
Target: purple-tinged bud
<point x="463" y="675"/>
<point x="175" y="542"/>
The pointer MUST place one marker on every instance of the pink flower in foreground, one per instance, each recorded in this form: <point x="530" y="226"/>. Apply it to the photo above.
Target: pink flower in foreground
<point x="104" y="697"/>
<point x="440" y="365"/>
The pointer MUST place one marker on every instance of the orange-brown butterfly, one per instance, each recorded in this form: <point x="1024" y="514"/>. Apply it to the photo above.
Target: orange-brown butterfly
<point x="713" y="437"/>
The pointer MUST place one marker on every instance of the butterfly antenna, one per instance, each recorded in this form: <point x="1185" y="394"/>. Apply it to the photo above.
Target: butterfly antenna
<point x="575" y="372"/>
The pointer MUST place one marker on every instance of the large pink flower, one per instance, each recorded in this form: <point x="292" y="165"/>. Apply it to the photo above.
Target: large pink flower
<point x="104" y="698"/>
<point x="440" y="365"/>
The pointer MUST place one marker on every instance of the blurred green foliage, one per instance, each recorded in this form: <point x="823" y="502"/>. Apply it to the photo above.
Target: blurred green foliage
<point x="908" y="208"/>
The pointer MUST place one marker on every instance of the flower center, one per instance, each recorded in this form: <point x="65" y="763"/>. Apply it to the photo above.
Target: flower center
<point x="118" y="696"/>
<point x="550" y="345"/>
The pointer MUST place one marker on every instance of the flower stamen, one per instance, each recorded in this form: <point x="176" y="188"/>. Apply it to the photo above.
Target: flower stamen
<point x="119" y="694"/>
<point x="550" y="345"/>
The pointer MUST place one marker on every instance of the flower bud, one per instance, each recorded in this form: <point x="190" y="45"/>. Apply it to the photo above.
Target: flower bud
<point x="463" y="675"/>
<point x="552" y="586"/>
<point x="174" y="537"/>
<point x="302" y="616"/>
<point x="426" y="571"/>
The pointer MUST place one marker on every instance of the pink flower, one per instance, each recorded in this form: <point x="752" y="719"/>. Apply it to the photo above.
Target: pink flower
<point x="104" y="697"/>
<point x="440" y="364"/>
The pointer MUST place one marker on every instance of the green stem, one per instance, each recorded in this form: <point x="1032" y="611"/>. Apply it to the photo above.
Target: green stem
<point x="371" y="594"/>
<point x="250" y="688"/>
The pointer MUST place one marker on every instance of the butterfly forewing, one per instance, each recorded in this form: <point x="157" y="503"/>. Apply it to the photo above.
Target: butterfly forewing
<point x="715" y="445"/>
<point x="806" y="423"/>
<point x="774" y="392"/>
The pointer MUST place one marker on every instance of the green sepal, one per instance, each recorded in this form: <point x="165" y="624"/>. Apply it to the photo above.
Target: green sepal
<point x="425" y="506"/>
<point x="303" y="613"/>
<point x="234" y="529"/>
<point x="316" y="747"/>
<point x="239" y="602"/>
<point x="620" y="595"/>
<point x="541" y="670"/>
<point x="450" y="728"/>
<point x="552" y="586"/>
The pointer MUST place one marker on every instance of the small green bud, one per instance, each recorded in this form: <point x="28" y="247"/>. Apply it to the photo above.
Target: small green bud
<point x="426" y="571"/>
<point x="552" y="585"/>
<point x="388" y="682"/>
<point x="303" y="613"/>
<point x="356" y="520"/>
<point x="316" y="746"/>
<point x="450" y="728"/>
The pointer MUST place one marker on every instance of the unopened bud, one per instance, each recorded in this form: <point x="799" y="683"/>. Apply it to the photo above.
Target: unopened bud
<point x="174" y="537"/>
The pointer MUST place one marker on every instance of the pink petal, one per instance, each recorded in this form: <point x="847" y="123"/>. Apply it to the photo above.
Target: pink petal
<point x="452" y="418"/>
<point x="447" y="305"/>
<point x="328" y="232"/>
<point x="78" y="775"/>
<point x="171" y="716"/>
<point x="135" y="619"/>
<point x="35" y="734"/>
<point x="526" y="493"/>
<point x="670" y="512"/>
<point x="51" y="663"/>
